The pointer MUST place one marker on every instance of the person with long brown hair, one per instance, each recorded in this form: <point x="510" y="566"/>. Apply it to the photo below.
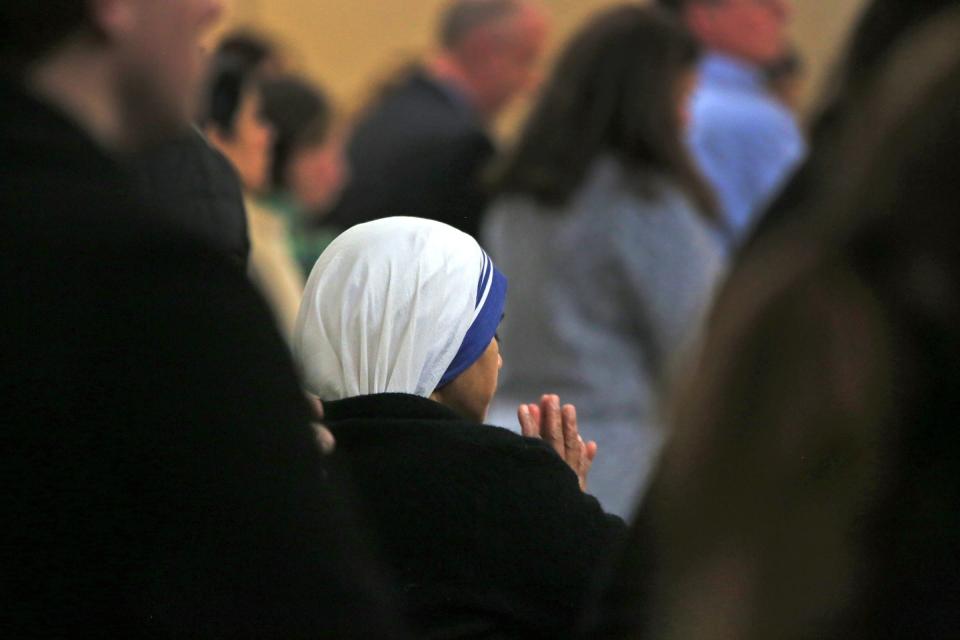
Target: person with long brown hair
<point x="608" y="231"/>
<point x="812" y="485"/>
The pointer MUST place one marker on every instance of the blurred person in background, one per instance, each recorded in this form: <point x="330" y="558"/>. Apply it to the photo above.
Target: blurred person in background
<point x="419" y="150"/>
<point x="881" y="26"/>
<point x="146" y="400"/>
<point x="255" y="51"/>
<point x="811" y="488"/>
<point x="308" y="169"/>
<point x="188" y="177"/>
<point x="746" y="141"/>
<point x="611" y="237"/>
<point x="490" y="534"/>
<point x="233" y="120"/>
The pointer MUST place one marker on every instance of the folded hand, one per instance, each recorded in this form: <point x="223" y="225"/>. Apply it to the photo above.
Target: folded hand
<point x="557" y="426"/>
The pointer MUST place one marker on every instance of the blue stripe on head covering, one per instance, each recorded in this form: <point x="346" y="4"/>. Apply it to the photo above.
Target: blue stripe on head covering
<point x="485" y="272"/>
<point x="491" y="298"/>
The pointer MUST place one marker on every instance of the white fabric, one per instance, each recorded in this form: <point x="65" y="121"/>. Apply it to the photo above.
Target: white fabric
<point x="386" y="308"/>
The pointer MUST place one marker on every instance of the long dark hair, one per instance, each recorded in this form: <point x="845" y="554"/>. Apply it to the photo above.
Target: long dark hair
<point x="229" y="80"/>
<point x="613" y="91"/>
<point x="880" y="27"/>
<point x="300" y="114"/>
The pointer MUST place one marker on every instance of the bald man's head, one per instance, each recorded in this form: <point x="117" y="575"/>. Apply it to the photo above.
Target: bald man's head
<point x="496" y="44"/>
<point x="464" y="16"/>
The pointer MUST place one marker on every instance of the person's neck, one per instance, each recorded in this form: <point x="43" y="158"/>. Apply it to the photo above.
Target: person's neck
<point x="732" y="58"/>
<point x="80" y="82"/>
<point x="445" y="67"/>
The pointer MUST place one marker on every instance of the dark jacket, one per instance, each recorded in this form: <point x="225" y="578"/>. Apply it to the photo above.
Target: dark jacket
<point x="198" y="187"/>
<point x="160" y="476"/>
<point x="487" y="532"/>
<point x="419" y="151"/>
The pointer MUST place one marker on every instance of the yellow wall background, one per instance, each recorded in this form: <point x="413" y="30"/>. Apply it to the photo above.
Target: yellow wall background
<point x="348" y="45"/>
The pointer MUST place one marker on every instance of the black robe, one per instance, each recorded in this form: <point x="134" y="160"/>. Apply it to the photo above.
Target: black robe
<point x="194" y="183"/>
<point x="487" y="532"/>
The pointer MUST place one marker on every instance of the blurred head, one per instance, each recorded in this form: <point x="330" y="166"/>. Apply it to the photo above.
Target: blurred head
<point x="148" y="54"/>
<point x="307" y="158"/>
<point x="753" y="30"/>
<point x="403" y="305"/>
<point x="497" y="45"/>
<point x="255" y="50"/>
<point x="233" y="121"/>
<point x="621" y="88"/>
<point x="317" y="174"/>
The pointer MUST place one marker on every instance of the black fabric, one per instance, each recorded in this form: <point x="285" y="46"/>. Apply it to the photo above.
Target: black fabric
<point x="198" y="187"/>
<point x="160" y="476"/>
<point x="487" y="531"/>
<point x="619" y="604"/>
<point x="420" y="151"/>
<point x="909" y="582"/>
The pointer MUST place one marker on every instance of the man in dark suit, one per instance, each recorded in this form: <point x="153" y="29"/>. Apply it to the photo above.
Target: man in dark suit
<point x="421" y="148"/>
<point x="160" y="474"/>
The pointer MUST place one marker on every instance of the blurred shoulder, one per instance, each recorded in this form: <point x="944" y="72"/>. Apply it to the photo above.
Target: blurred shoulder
<point x="720" y="110"/>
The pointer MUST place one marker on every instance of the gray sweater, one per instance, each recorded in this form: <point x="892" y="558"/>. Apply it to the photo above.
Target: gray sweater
<point x="606" y="300"/>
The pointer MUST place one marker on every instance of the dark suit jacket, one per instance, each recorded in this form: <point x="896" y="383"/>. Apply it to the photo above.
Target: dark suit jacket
<point x="487" y="532"/>
<point x="419" y="151"/>
<point x="160" y="476"/>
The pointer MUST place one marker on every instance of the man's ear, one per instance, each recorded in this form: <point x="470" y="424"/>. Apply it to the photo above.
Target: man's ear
<point x="114" y="18"/>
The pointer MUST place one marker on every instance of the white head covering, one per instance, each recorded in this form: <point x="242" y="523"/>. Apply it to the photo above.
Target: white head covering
<point x="388" y="306"/>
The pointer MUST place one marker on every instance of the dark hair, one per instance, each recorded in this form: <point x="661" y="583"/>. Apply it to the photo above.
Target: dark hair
<point x="248" y="47"/>
<point x="300" y="115"/>
<point x="612" y="92"/>
<point x="789" y="65"/>
<point x="882" y="24"/>
<point x="672" y="5"/>
<point x="31" y="28"/>
<point x="229" y="80"/>
<point x="679" y="5"/>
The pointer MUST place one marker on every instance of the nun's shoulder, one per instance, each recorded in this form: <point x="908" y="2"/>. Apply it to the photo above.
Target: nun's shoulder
<point x="511" y="443"/>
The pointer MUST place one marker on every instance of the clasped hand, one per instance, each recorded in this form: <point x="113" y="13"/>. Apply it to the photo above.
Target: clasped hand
<point x="557" y="426"/>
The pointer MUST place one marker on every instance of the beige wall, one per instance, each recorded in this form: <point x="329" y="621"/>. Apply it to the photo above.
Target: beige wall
<point x="348" y="44"/>
<point x="821" y="28"/>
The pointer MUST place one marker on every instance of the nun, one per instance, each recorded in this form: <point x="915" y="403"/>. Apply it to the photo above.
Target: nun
<point x="488" y="533"/>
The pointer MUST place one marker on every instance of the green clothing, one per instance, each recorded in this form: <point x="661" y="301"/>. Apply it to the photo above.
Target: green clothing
<point x="307" y="241"/>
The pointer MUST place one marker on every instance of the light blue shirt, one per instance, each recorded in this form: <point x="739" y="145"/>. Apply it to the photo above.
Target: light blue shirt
<point x="745" y="141"/>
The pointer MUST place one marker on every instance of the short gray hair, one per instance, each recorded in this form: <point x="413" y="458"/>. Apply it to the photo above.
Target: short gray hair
<point x="463" y="16"/>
